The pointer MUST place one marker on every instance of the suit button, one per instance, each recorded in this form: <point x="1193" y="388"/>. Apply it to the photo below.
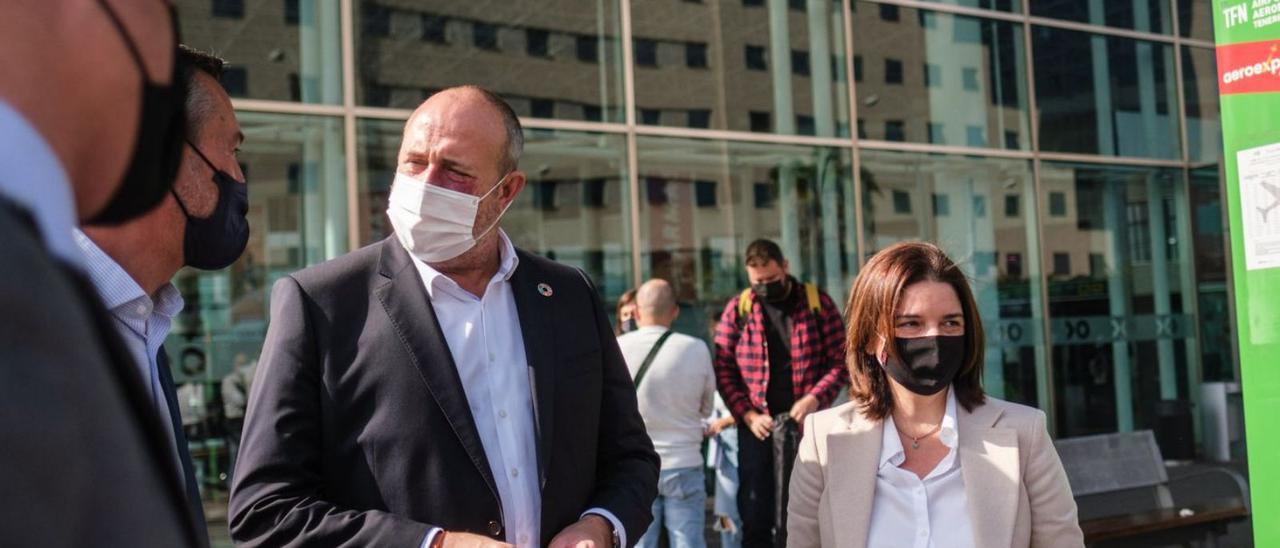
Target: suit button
<point x="494" y="528"/>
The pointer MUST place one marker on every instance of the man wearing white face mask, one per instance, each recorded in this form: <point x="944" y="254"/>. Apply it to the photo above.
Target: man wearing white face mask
<point x="441" y="387"/>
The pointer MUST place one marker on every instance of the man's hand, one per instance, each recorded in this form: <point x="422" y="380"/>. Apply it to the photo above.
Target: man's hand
<point x="760" y="424"/>
<point x="803" y="407"/>
<point x="467" y="540"/>
<point x="592" y="531"/>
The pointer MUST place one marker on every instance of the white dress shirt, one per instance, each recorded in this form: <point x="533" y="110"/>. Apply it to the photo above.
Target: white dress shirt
<point x="142" y="322"/>
<point x="928" y="513"/>
<point x="487" y="345"/>
<point x="32" y="177"/>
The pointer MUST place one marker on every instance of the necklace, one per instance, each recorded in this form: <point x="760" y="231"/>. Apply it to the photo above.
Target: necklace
<point x="915" y="440"/>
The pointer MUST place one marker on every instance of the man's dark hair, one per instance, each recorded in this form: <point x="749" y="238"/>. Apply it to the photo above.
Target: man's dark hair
<point x="511" y="122"/>
<point x="761" y="251"/>
<point x="191" y="62"/>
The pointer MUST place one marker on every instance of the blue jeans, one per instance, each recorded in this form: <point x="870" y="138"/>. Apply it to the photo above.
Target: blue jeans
<point x="680" y="508"/>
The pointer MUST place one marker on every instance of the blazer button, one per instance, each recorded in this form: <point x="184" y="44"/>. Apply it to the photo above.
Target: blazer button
<point x="494" y="528"/>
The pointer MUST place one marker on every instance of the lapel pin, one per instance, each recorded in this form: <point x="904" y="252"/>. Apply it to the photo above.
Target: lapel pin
<point x="545" y="290"/>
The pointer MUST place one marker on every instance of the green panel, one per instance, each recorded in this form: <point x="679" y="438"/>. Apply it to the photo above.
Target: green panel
<point x="1249" y="121"/>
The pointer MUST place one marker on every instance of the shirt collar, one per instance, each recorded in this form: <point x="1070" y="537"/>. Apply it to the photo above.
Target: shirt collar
<point x="32" y="177"/>
<point x="115" y="286"/>
<point x="507" y="263"/>
<point x="892" y="453"/>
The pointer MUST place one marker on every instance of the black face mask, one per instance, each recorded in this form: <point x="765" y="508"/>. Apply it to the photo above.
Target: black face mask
<point x="931" y="363"/>
<point x="629" y="325"/>
<point x="217" y="241"/>
<point x="157" y="151"/>
<point x="773" y="292"/>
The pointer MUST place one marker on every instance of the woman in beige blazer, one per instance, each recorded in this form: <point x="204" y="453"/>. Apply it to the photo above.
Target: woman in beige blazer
<point x="921" y="457"/>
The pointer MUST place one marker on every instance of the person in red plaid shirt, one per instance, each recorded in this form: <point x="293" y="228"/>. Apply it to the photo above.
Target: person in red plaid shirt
<point x="779" y="356"/>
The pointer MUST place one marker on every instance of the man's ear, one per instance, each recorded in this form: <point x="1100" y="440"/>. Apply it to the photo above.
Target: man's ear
<point x="512" y="187"/>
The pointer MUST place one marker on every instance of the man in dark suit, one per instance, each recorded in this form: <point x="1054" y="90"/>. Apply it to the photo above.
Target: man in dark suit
<point x="86" y="94"/>
<point x="200" y="224"/>
<point x="442" y="388"/>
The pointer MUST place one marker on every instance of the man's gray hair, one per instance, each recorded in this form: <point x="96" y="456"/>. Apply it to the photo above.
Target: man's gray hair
<point x="199" y="104"/>
<point x="511" y="122"/>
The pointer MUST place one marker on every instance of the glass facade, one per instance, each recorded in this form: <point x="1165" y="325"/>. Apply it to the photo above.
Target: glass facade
<point x="1065" y="152"/>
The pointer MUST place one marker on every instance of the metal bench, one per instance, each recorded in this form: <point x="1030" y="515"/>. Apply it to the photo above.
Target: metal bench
<point x="1126" y="496"/>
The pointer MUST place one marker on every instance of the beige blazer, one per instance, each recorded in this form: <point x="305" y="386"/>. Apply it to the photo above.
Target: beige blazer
<point x="1018" y="494"/>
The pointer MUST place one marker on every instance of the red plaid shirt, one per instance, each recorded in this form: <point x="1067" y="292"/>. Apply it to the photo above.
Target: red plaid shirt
<point x="817" y="355"/>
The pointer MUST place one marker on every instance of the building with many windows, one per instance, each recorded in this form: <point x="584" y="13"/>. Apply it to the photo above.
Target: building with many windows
<point x="1066" y="152"/>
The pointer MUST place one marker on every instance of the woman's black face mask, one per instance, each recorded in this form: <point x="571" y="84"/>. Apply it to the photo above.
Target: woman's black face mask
<point x="926" y="365"/>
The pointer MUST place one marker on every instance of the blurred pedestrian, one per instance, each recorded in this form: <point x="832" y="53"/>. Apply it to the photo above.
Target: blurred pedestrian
<point x="90" y="129"/>
<point x="626" y="313"/>
<point x="779" y="357"/>
<point x="675" y="387"/>
<point x="200" y="223"/>
<point x="722" y="456"/>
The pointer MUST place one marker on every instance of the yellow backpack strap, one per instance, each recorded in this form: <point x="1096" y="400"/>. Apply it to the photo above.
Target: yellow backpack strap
<point x="744" y="304"/>
<point x="811" y="293"/>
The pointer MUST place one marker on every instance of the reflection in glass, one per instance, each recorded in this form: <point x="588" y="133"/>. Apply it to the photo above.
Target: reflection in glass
<point x="1195" y="19"/>
<point x="1200" y="91"/>
<point x="1014" y="6"/>
<point x="1105" y="94"/>
<point x="702" y="202"/>
<point x="1208" y="227"/>
<point x="297" y="217"/>
<point x="573" y="208"/>
<point x="1121" y="308"/>
<point x="776" y="58"/>
<point x="959" y="203"/>
<point x="1141" y="15"/>
<point x="546" y="58"/>
<point x="282" y="54"/>
<point x="956" y="80"/>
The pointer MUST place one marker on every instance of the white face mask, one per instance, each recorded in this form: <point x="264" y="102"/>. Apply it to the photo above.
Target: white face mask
<point x="435" y="224"/>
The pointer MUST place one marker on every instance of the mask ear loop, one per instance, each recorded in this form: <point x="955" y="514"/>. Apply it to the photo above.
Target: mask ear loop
<point x="177" y="198"/>
<point x="504" y="210"/>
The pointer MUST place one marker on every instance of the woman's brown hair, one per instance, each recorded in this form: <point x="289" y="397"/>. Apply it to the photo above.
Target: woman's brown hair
<point x="873" y="303"/>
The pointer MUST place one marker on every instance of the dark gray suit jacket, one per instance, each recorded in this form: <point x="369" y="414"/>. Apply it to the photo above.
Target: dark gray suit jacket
<point x="359" y="434"/>
<point x="84" y="460"/>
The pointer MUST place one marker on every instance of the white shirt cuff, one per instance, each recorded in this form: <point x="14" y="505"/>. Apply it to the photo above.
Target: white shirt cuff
<point x="617" y="525"/>
<point x="431" y="536"/>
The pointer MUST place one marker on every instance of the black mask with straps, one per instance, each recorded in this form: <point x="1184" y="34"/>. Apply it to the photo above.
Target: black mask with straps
<point x="218" y="240"/>
<point x="774" y="291"/>
<point x="157" y="150"/>
<point x="926" y="365"/>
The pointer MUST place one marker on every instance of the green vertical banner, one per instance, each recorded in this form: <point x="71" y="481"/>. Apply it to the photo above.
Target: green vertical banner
<point x="1248" y="50"/>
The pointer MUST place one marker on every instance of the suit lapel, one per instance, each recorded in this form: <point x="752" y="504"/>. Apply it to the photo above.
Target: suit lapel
<point x="180" y="437"/>
<point x="405" y="300"/>
<point x="853" y="456"/>
<point x="538" y="333"/>
<point x="989" y="464"/>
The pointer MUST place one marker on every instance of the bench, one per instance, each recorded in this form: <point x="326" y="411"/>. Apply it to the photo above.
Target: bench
<point x="1126" y="496"/>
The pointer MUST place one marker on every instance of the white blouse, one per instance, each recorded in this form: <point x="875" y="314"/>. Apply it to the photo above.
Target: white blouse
<point x="928" y="513"/>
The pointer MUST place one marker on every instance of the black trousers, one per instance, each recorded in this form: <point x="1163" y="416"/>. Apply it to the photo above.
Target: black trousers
<point x="764" y="472"/>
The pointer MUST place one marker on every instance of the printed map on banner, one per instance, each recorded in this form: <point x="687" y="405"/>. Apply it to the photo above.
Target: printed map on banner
<point x="1259" y="170"/>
